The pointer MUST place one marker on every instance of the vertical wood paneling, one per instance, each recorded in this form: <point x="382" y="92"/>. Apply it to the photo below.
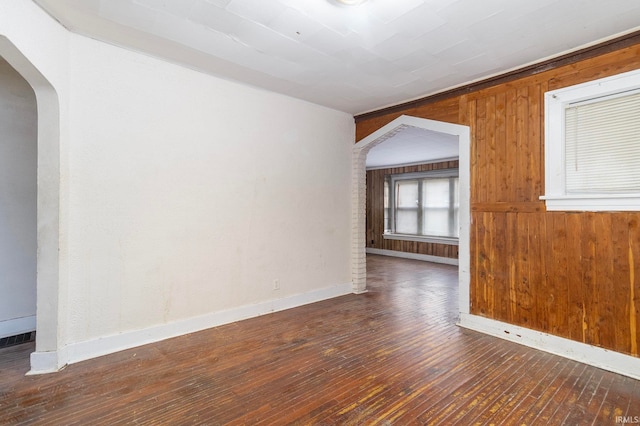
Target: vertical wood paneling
<point x="523" y="146"/>
<point x="481" y="264"/>
<point x="633" y="283"/>
<point x="524" y="302"/>
<point x="543" y="290"/>
<point x="575" y="306"/>
<point x="474" y="303"/>
<point x="575" y="275"/>
<point x="557" y="275"/>
<point x="511" y="254"/>
<point x="535" y="165"/>
<point x="511" y="149"/>
<point x="588" y="267"/>
<point x="481" y="151"/>
<point x="620" y="274"/>
<point x="473" y="161"/>
<point x="490" y="148"/>
<point x="500" y="266"/>
<point x="536" y="283"/>
<point x="488" y="243"/>
<point x="501" y="179"/>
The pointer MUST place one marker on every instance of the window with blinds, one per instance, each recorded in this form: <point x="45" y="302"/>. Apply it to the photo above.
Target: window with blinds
<point x="592" y="145"/>
<point x="602" y="145"/>
<point x="424" y="205"/>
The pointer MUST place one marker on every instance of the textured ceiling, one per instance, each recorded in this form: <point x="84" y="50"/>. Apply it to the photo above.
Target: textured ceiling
<point x="351" y="59"/>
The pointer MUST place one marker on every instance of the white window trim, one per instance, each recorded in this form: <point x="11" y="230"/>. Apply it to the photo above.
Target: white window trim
<point x="556" y="101"/>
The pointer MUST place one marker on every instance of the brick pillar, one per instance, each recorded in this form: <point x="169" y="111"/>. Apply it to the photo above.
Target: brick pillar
<point x="358" y="224"/>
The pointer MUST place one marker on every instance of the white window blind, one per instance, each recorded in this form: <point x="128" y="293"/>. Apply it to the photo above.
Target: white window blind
<point x="407" y="204"/>
<point x="602" y="145"/>
<point x="436" y="207"/>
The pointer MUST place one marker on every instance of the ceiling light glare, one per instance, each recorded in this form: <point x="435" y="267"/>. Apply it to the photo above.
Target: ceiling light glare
<point x="348" y="2"/>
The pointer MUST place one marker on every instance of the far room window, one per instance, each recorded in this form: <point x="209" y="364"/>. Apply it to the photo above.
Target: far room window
<point x="592" y="151"/>
<point x="424" y="206"/>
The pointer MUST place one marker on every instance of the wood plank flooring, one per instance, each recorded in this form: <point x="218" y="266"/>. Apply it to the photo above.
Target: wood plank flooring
<point x="392" y="356"/>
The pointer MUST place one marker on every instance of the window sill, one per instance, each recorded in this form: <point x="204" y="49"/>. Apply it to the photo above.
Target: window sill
<point x="423" y="239"/>
<point x="592" y="203"/>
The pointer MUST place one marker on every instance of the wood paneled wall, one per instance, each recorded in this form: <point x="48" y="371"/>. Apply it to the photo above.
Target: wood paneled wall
<point x="375" y="213"/>
<point x="574" y="275"/>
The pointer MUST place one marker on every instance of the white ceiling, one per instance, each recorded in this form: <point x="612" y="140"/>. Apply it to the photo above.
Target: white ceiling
<point x="355" y="59"/>
<point x="413" y="145"/>
<point x="352" y="59"/>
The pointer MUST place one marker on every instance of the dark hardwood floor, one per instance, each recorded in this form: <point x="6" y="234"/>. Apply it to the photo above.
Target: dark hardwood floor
<point x="390" y="356"/>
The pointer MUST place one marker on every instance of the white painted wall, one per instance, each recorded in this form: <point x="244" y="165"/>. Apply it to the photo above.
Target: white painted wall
<point x="183" y="195"/>
<point x="18" y="158"/>
<point x="190" y="194"/>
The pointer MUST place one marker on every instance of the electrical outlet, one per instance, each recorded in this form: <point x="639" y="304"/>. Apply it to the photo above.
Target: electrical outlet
<point x="276" y="284"/>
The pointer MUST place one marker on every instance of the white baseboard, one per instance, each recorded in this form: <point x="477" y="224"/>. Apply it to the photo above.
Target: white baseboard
<point x="47" y="362"/>
<point x="16" y="326"/>
<point x="414" y="256"/>
<point x="592" y="355"/>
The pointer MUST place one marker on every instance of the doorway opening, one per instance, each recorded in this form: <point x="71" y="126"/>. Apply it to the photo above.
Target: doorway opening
<point x="47" y="357"/>
<point x="18" y="190"/>
<point x="360" y="151"/>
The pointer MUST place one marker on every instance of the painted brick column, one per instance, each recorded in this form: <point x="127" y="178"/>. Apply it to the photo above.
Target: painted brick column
<point x="358" y="224"/>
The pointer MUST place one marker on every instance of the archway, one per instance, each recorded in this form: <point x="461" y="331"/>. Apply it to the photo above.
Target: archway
<point x="18" y="246"/>
<point x="47" y="357"/>
<point x="360" y="150"/>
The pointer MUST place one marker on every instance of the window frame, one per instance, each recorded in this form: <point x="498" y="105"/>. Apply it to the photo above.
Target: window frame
<point x="556" y="101"/>
<point x="433" y="174"/>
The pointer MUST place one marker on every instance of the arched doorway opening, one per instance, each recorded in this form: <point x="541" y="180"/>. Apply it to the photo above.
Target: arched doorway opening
<point x="18" y="194"/>
<point x="360" y="151"/>
<point x="46" y="358"/>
